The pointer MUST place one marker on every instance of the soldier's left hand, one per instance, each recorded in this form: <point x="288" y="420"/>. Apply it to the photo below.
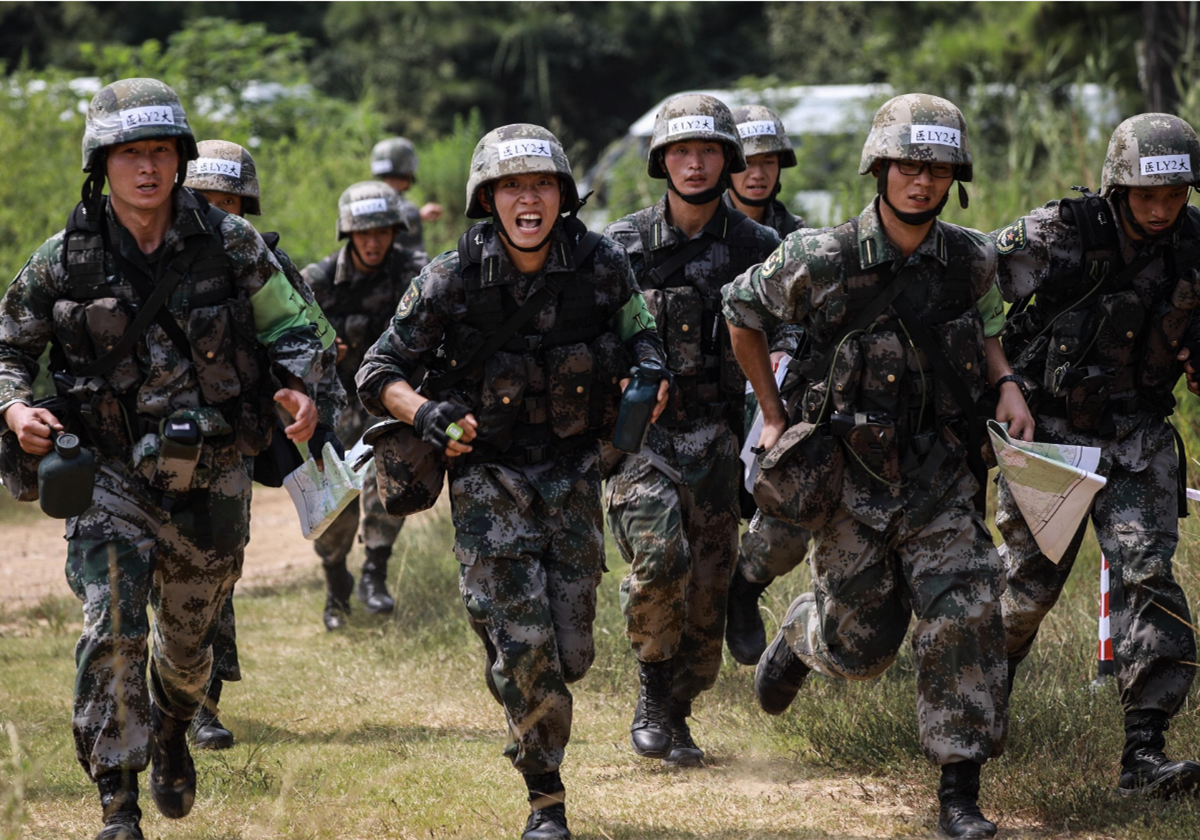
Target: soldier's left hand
<point x="1011" y="409"/>
<point x="303" y="410"/>
<point x="1193" y="383"/>
<point x="430" y="212"/>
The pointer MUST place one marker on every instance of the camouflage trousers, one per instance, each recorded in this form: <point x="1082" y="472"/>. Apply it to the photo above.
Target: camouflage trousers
<point x="124" y="554"/>
<point x="1135" y="518"/>
<point x="771" y="548"/>
<point x="679" y="533"/>
<point x="225" y="665"/>
<point x="530" y="542"/>
<point x="378" y="529"/>
<point x="867" y="585"/>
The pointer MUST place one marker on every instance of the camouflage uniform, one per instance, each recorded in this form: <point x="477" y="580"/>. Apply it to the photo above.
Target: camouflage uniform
<point x="525" y="502"/>
<point x="397" y="158"/>
<point x="1135" y="515"/>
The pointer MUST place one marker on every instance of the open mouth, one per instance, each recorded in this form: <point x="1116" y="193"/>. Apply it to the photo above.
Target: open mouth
<point x="919" y="199"/>
<point x="147" y="189"/>
<point x="529" y="222"/>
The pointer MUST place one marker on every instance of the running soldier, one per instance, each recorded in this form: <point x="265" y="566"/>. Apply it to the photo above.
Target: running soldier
<point x="520" y="427"/>
<point x="172" y="328"/>
<point x="1100" y="350"/>
<point x="394" y="161"/>
<point x="673" y="508"/>
<point x="902" y="314"/>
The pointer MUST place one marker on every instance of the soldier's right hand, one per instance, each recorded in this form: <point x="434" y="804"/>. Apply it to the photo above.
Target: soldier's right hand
<point x="342" y="349"/>
<point x="771" y="433"/>
<point x="449" y="426"/>
<point x="33" y="427"/>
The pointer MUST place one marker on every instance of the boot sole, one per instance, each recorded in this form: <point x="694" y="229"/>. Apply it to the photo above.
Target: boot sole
<point x="779" y="691"/>
<point x="686" y="760"/>
<point x="1164" y="789"/>
<point x="663" y="753"/>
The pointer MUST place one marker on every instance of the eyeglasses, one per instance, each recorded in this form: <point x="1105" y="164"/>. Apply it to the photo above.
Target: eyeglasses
<point x="913" y="168"/>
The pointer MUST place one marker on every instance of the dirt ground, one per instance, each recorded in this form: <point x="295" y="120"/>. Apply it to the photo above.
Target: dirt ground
<point x="34" y="552"/>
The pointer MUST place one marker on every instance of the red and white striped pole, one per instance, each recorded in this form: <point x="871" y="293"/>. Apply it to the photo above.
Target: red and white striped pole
<point x="1104" y="653"/>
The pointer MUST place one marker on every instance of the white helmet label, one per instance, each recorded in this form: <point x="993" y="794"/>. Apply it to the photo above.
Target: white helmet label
<point x="1166" y="164"/>
<point x="366" y="206"/>
<point x="936" y="134"/>
<point x="510" y="149"/>
<point x="218" y="166"/>
<point x="147" y="115"/>
<point x="381" y="167"/>
<point x="697" y="122"/>
<point x="757" y="128"/>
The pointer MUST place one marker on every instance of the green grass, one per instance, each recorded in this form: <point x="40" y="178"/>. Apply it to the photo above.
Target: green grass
<point x="386" y="730"/>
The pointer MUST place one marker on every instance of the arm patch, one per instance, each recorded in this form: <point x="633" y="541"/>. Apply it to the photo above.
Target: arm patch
<point x="409" y="301"/>
<point x="1012" y="238"/>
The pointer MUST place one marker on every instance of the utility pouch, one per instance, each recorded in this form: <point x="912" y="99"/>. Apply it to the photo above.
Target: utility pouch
<point x="410" y="472"/>
<point x="107" y="321"/>
<point x="962" y="342"/>
<point x="800" y="478"/>
<point x="1088" y="397"/>
<point x="210" y="332"/>
<point x="682" y="333"/>
<point x="874" y="442"/>
<point x="884" y="364"/>
<point x="248" y="354"/>
<point x="100" y="413"/>
<point x="570" y="371"/>
<point x="70" y="330"/>
<point x="505" y="380"/>
<point x="178" y="454"/>
<point x="1066" y="342"/>
<point x="846" y="376"/>
<point x="611" y="363"/>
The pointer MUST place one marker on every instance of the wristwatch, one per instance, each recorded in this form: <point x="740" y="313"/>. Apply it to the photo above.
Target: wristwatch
<point x="1013" y="377"/>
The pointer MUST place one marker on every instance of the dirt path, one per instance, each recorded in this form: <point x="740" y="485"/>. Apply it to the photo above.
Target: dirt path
<point x="33" y="552"/>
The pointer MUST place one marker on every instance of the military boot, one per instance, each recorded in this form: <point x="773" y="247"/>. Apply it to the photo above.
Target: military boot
<point x="779" y="676"/>
<point x="684" y="752"/>
<point x="744" y="631"/>
<point x="547" y="801"/>
<point x="339" y="583"/>
<point x="650" y="732"/>
<point x="372" y="585"/>
<point x="207" y="731"/>
<point x="118" y="799"/>
<point x="1145" y="770"/>
<point x="960" y="817"/>
<point x="172" y="774"/>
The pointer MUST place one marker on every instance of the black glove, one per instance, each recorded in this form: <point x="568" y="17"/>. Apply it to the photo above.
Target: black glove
<point x="434" y="418"/>
<point x="324" y="434"/>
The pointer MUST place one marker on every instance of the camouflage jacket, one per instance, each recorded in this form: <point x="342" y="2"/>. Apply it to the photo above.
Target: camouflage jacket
<point x="810" y="281"/>
<point x="1120" y="344"/>
<point x="686" y="305"/>
<point x="360" y="305"/>
<point x="414" y="237"/>
<point x="775" y="216"/>
<point x="155" y="381"/>
<point x="526" y="387"/>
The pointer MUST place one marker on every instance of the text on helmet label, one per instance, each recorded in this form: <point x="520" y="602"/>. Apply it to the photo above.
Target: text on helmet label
<point x="147" y="115"/>
<point x="523" y="148"/>
<point x="696" y="122"/>
<point x="1166" y="164"/>
<point x="757" y="128"/>
<point x="379" y="167"/>
<point x="364" y="206"/>
<point x="937" y="135"/>
<point x="217" y="166"/>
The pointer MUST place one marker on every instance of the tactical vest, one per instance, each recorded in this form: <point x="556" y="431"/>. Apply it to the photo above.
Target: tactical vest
<point x="1092" y="346"/>
<point x="785" y="222"/>
<point x="540" y="394"/>
<point x="205" y="318"/>
<point x="709" y="382"/>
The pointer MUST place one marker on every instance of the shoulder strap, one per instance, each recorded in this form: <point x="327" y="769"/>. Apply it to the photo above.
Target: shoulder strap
<point x="1093" y="218"/>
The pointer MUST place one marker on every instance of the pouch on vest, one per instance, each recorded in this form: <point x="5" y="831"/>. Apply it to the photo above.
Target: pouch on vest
<point x="248" y="353"/>
<point x="611" y="363"/>
<point x="1087" y="396"/>
<point x="107" y="321"/>
<point x="102" y="417"/>
<point x="846" y="377"/>
<point x="505" y="380"/>
<point x="409" y="472"/>
<point x="173" y="458"/>
<point x="1116" y="340"/>
<point x="1066" y="342"/>
<point x="569" y="369"/>
<point x="883" y="367"/>
<point x="211" y="334"/>
<point x="800" y="478"/>
<point x="683" y="329"/>
<point x="962" y="341"/>
<point x="70" y="331"/>
<point x="874" y="442"/>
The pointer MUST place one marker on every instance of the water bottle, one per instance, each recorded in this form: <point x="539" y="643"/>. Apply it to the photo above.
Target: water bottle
<point x="66" y="478"/>
<point x="637" y="406"/>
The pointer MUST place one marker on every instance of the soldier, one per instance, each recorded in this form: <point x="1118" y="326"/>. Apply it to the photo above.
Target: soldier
<point x="225" y="174"/>
<point x="673" y="508"/>
<point x="525" y="476"/>
<point x="1100" y="351"/>
<point x="358" y="287"/>
<point x="394" y="161"/>
<point x="771" y="547"/>
<point x="172" y="401"/>
<point x="902" y="313"/>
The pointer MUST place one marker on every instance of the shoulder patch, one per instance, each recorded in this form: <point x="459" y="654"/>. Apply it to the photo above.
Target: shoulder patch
<point x="1012" y="238"/>
<point x="409" y="301"/>
<point x="773" y="263"/>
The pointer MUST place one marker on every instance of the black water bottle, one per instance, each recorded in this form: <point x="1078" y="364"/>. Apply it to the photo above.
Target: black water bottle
<point x="66" y="478"/>
<point x="637" y="406"/>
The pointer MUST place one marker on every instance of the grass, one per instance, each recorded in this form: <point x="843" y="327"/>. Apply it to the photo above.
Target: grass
<point x="386" y="730"/>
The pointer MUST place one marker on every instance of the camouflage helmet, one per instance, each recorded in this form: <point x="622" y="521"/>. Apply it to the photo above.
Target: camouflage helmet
<point x="694" y="116"/>
<point x="1151" y="150"/>
<point x="132" y="110"/>
<point x="918" y="126"/>
<point x="225" y="167"/>
<point x="519" y="149"/>
<point x="762" y="133"/>
<point x="369" y="204"/>
<point x="395" y="157"/>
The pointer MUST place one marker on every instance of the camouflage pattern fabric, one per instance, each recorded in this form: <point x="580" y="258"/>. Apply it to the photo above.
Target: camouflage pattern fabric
<point x="693" y="116"/>
<point x="124" y="554"/>
<point x="395" y="157"/>
<point x="225" y="664"/>
<point x="130" y="110"/>
<point x="518" y="149"/>
<point x="866" y="587"/>
<point x="763" y="133"/>
<point x="680" y="539"/>
<point x="771" y="548"/>
<point x="776" y="216"/>
<point x="367" y="205"/>
<point x="917" y="126"/>
<point x="1151" y="150"/>
<point x="412" y="235"/>
<point x="225" y="167"/>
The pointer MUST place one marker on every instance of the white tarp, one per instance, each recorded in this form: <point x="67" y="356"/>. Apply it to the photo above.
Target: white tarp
<point x="1053" y="485"/>
<point x="320" y="495"/>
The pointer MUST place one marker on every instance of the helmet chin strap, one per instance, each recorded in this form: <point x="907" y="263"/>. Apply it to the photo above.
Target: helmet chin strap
<point x="914" y="219"/>
<point x="757" y="202"/>
<point x="490" y="194"/>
